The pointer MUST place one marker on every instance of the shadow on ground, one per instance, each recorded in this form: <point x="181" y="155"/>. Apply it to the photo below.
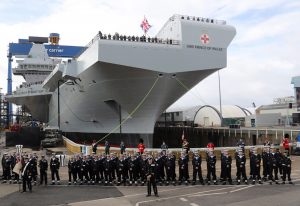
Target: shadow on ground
<point x="58" y="195"/>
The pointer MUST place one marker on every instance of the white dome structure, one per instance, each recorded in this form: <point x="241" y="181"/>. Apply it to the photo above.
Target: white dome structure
<point x="211" y="116"/>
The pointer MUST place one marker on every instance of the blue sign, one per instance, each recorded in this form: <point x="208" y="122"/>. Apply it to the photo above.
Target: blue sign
<point x="52" y="50"/>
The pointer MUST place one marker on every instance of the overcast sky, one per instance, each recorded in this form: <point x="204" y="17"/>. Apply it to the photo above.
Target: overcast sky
<point x="262" y="58"/>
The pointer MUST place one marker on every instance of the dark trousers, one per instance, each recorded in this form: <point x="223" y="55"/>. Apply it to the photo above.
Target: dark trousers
<point x="17" y="177"/>
<point x="170" y="174"/>
<point x="43" y="176"/>
<point x="7" y="174"/>
<point x="153" y="183"/>
<point x="286" y="172"/>
<point x="27" y="181"/>
<point x="122" y="176"/>
<point x="183" y="174"/>
<point x="197" y="171"/>
<point x="70" y="175"/>
<point x="226" y="173"/>
<point x="85" y="175"/>
<point x="211" y="171"/>
<point x="107" y="176"/>
<point x="256" y="173"/>
<point x="92" y="175"/>
<point x="54" y="172"/>
<point x="241" y="171"/>
<point x="132" y="174"/>
<point x="274" y="170"/>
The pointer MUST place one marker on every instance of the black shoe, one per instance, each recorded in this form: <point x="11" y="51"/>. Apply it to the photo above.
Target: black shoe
<point x="193" y="183"/>
<point x="156" y="195"/>
<point x="148" y="195"/>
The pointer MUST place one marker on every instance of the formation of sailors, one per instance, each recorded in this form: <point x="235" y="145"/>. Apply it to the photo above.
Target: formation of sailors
<point x="132" y="169"/>
<point x="127" y="169"/>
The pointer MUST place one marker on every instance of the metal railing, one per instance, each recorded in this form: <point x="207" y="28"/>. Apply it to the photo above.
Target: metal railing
<point x="141" y="39"/>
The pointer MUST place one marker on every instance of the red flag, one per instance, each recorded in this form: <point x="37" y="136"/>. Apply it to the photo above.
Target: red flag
<point x="145" y="25"/>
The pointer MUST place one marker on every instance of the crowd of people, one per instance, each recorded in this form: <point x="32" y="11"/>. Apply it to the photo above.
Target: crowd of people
<point x="142" y="167"/>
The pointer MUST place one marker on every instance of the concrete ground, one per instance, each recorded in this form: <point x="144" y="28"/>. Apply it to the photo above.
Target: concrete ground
<point x="192" y="195"/>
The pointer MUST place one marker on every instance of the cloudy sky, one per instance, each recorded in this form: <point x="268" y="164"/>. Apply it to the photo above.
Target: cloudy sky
<point x="262" y="58"/>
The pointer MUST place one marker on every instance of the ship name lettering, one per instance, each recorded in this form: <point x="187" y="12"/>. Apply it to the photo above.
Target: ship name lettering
<point x="203" y="47"/>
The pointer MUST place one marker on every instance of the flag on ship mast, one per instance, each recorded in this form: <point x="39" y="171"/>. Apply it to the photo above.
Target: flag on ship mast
<point x="145" y="25"/>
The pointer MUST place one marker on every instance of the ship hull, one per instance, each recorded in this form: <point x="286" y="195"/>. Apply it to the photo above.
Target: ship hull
<point x="93" y="104"/>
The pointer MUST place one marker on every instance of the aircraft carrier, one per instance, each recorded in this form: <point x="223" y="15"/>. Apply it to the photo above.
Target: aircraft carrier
<point x="121" y="84"/>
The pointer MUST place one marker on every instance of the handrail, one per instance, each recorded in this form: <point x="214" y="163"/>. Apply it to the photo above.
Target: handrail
<point x="141" y="39"/>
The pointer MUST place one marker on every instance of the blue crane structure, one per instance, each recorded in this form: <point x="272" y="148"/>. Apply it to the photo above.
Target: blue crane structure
<point x="23" y="48"/>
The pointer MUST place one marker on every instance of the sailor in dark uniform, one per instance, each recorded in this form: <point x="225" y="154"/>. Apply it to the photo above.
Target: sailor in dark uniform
<point x="121" y="167"/>
<point x="159" y="168"/>
<point x="6" y="164"/>
<point x="107" y="170"/>
<point x="54" y="167"/>
<point x="183" y="164"/>
<point x="71" y="168"/>
<point x="255" y="161"/>
<point x="27" y="175"/>
<point x="77" y="174"/>
<point x="266" y="156"/>
<point x="170" y="168"/>
<point x="142" y="168"/>
<point x="133" y="169"/>
<point x="241" y="167"/>
<point x="276" y="159"/>
<point x="43" y="164"/>
<point x="211" y="167"/>
<point x="107" y="147"/>
<point x="122" y="147"/>
<point x="150" y="174"/>
<point x="286" y="164"/>
<point x="91" y="168"/>
<point x="85" y="170"/>
<point x="226" y="161"/>
<point x="197" y="168"/>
